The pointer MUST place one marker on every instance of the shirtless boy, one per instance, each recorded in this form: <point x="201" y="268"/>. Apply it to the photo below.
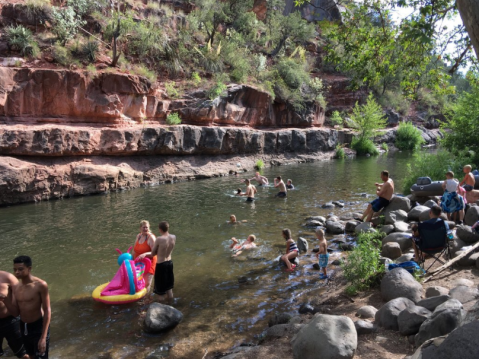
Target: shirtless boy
<point x="262" y="180"/>
<point x="385" y="192"/>
<point x="238" y="248"/>
<point x="164" y="278"/>
<point x="278" y="183"/>
<point x="250" y="191"/>
<point x="469" y="180"/>
<point x="30" y="299"/>
<point x="10" y="325"/>
<point x="322" y="255"/>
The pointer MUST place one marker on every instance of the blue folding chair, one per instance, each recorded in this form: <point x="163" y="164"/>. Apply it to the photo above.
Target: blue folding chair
<point x="433" y="241"/>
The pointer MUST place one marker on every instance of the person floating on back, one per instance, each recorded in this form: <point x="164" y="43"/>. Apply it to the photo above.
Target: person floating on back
<point x="322" y="255"/>
<point x="30" y="299"/>
<point x="289" y="184"/>
<point x="385" y="192"/>
<point x="164" y="278"/>
<point x="292" y="251"/>
<point x="278" y="183"/>
<point x="451" y="201"/>
<point x="239" y="248"/>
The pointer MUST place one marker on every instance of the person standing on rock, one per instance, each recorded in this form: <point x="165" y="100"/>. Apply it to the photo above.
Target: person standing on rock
<point x="10" y="325"/>
<point x="451" y="201"/>
<point x="30" y="299"/>
<point x="164" y="278"/>
<point x="292" y="250"/>
<point x="250" y="191"/>
<point x="142" y="248"/>
<point x="385" y="192"/>
<point x="262" y="180"/>
<point x="278" y="183"/>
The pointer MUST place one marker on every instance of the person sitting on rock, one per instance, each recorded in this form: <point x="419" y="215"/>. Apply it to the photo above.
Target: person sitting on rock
<point x="239" y="248"/>
<point x="451" y="201"/>
<point x="278" y="183"/>
<point x="385" y="192"/>
<point x="292" y="250"/>
<point x="434" y="215"/>
<point x="322" y="254"/>
<point x="289" y="184"/>
<point x="469" y="180"/>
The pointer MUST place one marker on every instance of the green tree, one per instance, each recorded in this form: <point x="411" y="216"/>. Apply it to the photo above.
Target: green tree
<point x="368" y="118"/>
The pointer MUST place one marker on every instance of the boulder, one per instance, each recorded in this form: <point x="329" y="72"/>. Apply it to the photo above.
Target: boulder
<point x="403" y="238"/>
<point x="445" y="318"/>
<point x="351" y="226"/>
<point x="466" y="261"/>
<point x="328" y="205"/>
<point x="392" y="118"/>
<point x="282" y="330"/>
<point x="467" y="234"/>
<point x="161" y="317"/>
<point x="457" y="245"/>
<point x="366" y="312"/>
<point x="334" y="227"/>
<point x="401" y="226"/>
<point x="398" y="203"/>
<point x="391" y="250"/>
<point x="364" y="227"/>
<point x="433" y="302"/>
<point x="414" y="213"/>
<point x="364" y="327"/>
<point x="387" y="228"/>
<point x="411" y="318"/>
<point x="326" y="336"/>
<point x="314" y="223"/>
<point x="472" y="215"/>
<point x="405" y="258"/>
<point x="436" y="291"/>
<point x="387" y="316"/>
<point x="464" y="294"/>
<point x="472" y="314"/>
<point x="430" y="203"/>
<point x="462" y="281"/>
<point x="303" y="245"/>
<point x="317" y="218"/>
<point x="395" y="216"/>
<point x="279" y="318"/>
<point x="399" y="283"/>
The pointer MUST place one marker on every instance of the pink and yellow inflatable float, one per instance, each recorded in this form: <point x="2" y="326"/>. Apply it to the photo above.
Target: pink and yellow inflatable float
<point x="128" y="284"/>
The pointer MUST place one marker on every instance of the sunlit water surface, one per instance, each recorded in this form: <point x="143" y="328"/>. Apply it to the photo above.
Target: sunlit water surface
<point x="72" y="243"/>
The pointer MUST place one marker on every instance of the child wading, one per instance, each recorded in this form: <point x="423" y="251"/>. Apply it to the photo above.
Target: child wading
<point x="322" y="255"/>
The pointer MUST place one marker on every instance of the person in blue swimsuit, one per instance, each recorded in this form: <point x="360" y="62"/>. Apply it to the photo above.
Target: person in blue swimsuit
<point x="385" y="192"/>
<point x="292" y="250"/>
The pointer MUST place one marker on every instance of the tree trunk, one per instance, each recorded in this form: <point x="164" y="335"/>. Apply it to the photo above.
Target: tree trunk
<point x="279" y="47"/>
<point x="469" y="10"/>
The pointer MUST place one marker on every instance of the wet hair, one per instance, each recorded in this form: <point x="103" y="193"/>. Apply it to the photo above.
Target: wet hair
<point x="23" y="260"/>
<point x="233" y="216"/>
<point x="385" y="173"/>
<point x="279" y="178"/>
<point x="469" y="167"/>
<point x="246" y="181"/>
<point x="253" y="237"/>
<point x="164" y="226"/>
<point x="320" y="232"/>
<point x="238" y="191"/>
<point x="287" y="233"/>
<point x="436" y="210"/>
<point x="144" y="221"/>
<point x="450" y="174"/>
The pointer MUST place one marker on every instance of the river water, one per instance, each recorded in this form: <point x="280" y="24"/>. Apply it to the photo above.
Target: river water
<point x="72" y="243"/>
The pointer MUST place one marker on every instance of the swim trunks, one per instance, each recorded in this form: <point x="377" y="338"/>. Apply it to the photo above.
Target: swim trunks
<point x="379" y="203"/>
<point x="323" y="260"/>
<point x="32" y="333"/>
<point x="281" y="194"/>
<point x="10" y="330"/>
<point x="164" y="278"/>
<point x="250" y="199"/>
<point x="468" y="187"/>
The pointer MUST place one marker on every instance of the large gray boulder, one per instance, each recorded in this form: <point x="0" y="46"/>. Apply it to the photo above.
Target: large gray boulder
<point x="326" y="336"/>
<point x="464" y="294"/>
<point x="392" y="217"/>
<point x="364" y="327"/>
<point x="350" y="226"/>
<point x="401" y="226"/>
<point x="472" y="215"/>
<point x="445" y="318"/>
<point x="403" y="238"/>
<point x="366" y="312"/>
<point x="387" y="316"/>
<point x="433" y="302"/>
<point x="334" y="227"/>
<point x="161" y="317"/>
<point x="387" y="228"/>
<point x="364" y="227"/>
<point x="414" y="213"/>
<point x="430" y="203"/>
<point x="467" y="234"/>
<point x="303" y="245"/>
<point x="391" y="250"/>
<point x="436" y="291"/>
<point x="472" y="314"/>
<point x="398" y="203"/>
<point x="399" y="283"/>
<point x="410" y="319"/>
<point x="466" y="261"/>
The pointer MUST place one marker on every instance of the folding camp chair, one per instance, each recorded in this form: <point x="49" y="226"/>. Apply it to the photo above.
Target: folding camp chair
<point x="433" y="241"/>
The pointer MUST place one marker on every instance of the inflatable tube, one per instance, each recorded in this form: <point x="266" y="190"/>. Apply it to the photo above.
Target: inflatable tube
<point x="433" y="188"/>
<point x="116" y="299"/>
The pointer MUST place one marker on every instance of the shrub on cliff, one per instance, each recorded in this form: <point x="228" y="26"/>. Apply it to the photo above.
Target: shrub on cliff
<point x="20" y="38"/>
<point x="173" y="119"/>
<point x="408" y="137"/>
<point x="66" y="23"/>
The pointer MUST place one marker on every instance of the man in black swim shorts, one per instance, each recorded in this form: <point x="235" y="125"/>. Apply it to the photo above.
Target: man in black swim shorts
<point x="279" y="183"/>
<point x="250" y="191"/>
<point x="385" y="192"/>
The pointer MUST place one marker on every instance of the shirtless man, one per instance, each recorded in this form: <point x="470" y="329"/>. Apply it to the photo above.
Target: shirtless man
<point x="10" y="325"/>
<point x="250" y="191"/>
<point x="30" y="299"/>
<point x="278" y="183"/>
<point x="385" y="192"/>
<point x="469" y="180"/>
<point x="164" y="278"/>
<point x="262" y="180"/>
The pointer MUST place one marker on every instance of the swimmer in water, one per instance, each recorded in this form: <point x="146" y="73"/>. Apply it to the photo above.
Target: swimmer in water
<point x="262" y="180"/>
<point x="238" y="248"/>
<point x="238" y="192"/>
<point x="233" y="220"/>
<point x="278" y="183"/>
<point x="250" y="191"/>
<point x="289" y="184"/>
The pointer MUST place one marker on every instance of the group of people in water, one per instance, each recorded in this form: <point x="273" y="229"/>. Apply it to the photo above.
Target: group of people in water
<point x="251" y="190"/>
